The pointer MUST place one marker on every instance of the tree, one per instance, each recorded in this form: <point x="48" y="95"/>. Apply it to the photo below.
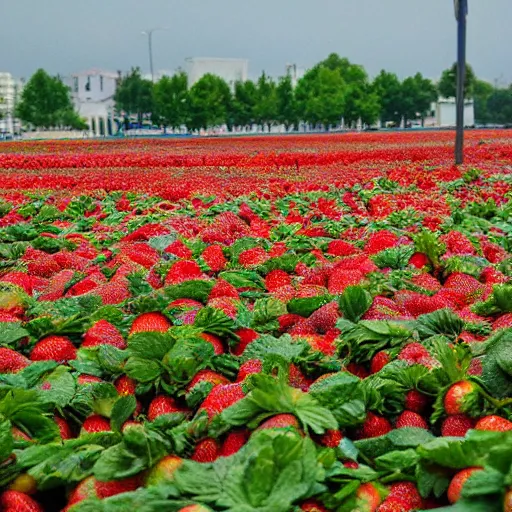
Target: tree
<point x="134" y="95"/>
<point x="321" y="96"/>
<point x="482" y="91"/>
<point x="171" y="100"/>
<point x="286" y="103"/>
<point x="418" y="94"/>
<point x="46" y="103"/>
<point x="389" y="89"/>
<point x="448" y="84"/>
<point x="499" y="106"/>
<point x="210" y="102"/>
<point x="244" y="102"/>
<point x="265" y="110"/>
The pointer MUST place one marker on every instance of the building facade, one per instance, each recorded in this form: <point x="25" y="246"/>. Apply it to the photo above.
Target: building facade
<point x="10" y="91"/>
<point x="444" y="113"/>
<point x="231" y="70"/>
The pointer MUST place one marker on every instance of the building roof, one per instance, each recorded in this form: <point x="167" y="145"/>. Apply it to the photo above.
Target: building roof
<point x="96" y="72"/>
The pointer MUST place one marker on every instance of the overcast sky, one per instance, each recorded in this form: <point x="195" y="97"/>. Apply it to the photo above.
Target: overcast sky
<point x="404" y="36"/>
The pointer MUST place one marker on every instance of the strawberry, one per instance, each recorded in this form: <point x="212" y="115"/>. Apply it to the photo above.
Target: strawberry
<point x="15" y="501"/>
<point x="178" y="248"/>
<point x="113" y="292"/>
<point x="427" y="282"/>
<point x="92" y="488"/>
<point x="280" y="421"/>
<point x="221" y="397"/>
<point x="206" y="450"/>
<point x="297" y="379"/>
<point x="84" y="380"/>
<point x="416" y="401"/>
<point x="53" y="348"/>
<point x="125" y="385"/>
<point x="503" y="322"/>
<point x="103" y="333"/>
<point x="324" y="318"/>
<point x="418" y="260"/>
<point x="57" y="285"/>
<point x="214" y="341"/>
<point x="374" y="426"/>
<point x="341" y="248"/>
<point x="248" y="368"/>
<point x="183" y="270"/>
<point x="414" y="353"/>
<point x="96" y="423"/>
<point x="161" y="405"/>
<point x="163" y="471"/>
<point x="195" y="508"/>
<point x="456" y="426"/>
<point x="207" y="376"/>
<point x="150" y="322"/>
<point x="494" y="423"/>
<point x="368" y="497"/>
<point x="320" y="343"/>
<point x="379" y="241"/>
<point x="331" y="438"/>
<point x="253" y="257"/>
<point x="457" y="243"/>
<point x="287" y="321"/>
<point x="64" y="428"/>
<point x="24" y="483"/>
<point x="466" y="285"/>
<point x="408" y="492"/>
<point x="457" y="483"/>
<point x="226" y="304"/>
<point x="358" y="370"/>
<point x="460" y="398"/>
<point x="276" y="279"/>
<point x="246" y="336"/>
<point x="312" y="506"/>
<point x="214" y="257"/>
<point x="379" y="360"/>
<point x="233" y="442"/>
<point x="222" y="288"/>
<point x="393" y="504"/>
<point x="12" y="361"/>
<point x="339" y="279"/>
<point x="411" y="419"/>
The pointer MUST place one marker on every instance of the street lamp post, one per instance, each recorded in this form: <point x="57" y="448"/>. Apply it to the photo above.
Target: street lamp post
<point x="149" y="33"/>
<point x="461" y="12"/>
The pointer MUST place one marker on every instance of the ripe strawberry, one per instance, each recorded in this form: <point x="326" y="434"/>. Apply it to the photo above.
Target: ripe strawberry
<point x="457" y="483"/>
<point x="246" y="336"/>
<point x="183" y="270"/>
<point x="248" y="368"/>
<point x="125" y="385"/>
<point x="84" y="380"/>
<point x="341" y="248"/>
<point x="150" y="322"/>
<point x="358" y="370"/>
<point x="206" y="450"/>
<point x="339" y="279"/>
<point x="427" y="282"/>
<point x="460" y="397"/>
<point x="319" y="343"/>
<point x="408" y="492"/>
<point x="276" y="279"/>
<point x="15" y="501"/>
<point x="312" y="506"/>
<point x="64" y="428"/>
<point x="324" y="319"/>
<point x="393" y="504"/>
<point x="253" y="257"/>
<point x="280" y="421"/>
<point x="468" y="286"/>
<point x="374" y="426"/>
<point x="297" y="379"/>
<point x="21" y="279"/>
<point x="207" y="376"/>
<point x="12" y="361"/>
<point x="222" y="288"/>
<point x="53" y="348"/>
<point x="113" y="292"/>
<point x="162" y="404"/>
<point x="228" y="305"/>
<point x="195" y="508"/>
<point x="103" y="333"/>
<point x="92" y="488"/>
<point x="456" y="426"/>
<point x="221" y="397"/>
<point x="57" y="285"/>
<point x="416" y="401"/>
<point x="178" y="248"/>
<point x="413" y="353"/>
<point x="163" y="471"/>
<point x="411" y="419"/>
<point x="288" y="321"/>
<point x="379" y="360"/>
<point x="368" y="497"/>
<point x="418" y="260"/>
<point x="494" y="424"/>
<point x="214" y="257"/>
<point x="331" y="438"/>
<point x="233" y="442"/>
<point x="214" y="341"/>
<point x="457" y="243"/>
<point x="503" y="322"/>
<point x="96" y="423"/>
<point x="379" y="241"/>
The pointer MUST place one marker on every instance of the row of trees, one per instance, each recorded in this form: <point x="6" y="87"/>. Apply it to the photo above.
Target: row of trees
<point x="333" y="89"/>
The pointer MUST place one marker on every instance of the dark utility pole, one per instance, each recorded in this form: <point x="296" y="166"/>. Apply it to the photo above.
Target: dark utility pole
<point x="461" y="12"/>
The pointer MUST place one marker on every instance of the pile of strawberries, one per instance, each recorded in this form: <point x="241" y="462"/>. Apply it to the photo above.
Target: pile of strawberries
<point x="345" y="349"/>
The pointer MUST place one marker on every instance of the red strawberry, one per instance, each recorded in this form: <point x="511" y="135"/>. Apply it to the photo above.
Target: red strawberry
<point x="457" y="243"/>
<point x="20" y="279"/>
<point x="331" y="438"/>
<point x="341" y="248"/>
<point x="457" y="483"/>
<point x="113" y="292"/>
<point x="503" y="322"/>
<point x="418" y="260"/>
<point x="96" y="423"/>
<point x="103" y="333"/>
<point x="226" y="304"/>
<point x="248" y="368"/>
<point x="368" y="497"/>
<point x="494" y="423"/>
<point x="246" y="336"/>
<point x="374" y="426"/>
<point x="178" y="248"/>
<point x="214" y="341"/>
<point x="411" y="419"/>
<point x="297" y="379"/>
<point x="320" y="343"/>
<point x="408" y="492"/>
<point x="207" y="376"/>
<point x="416" y="401"/>
<point x="276" y="279"/>
<point x="162" y="404"/>
<point x="253" y="257"/>
<point x="12" y="361"/>
<point x="460" y="397"/>
<point x="427" y="282"/>
<point x="339" y="279"/>
<point x="183" y="270"/>
<point x="413" y="353"/>
<point x="222" y="288"/>
<point x="456" y="426"/>
<point x="221" y="397"/>
<point x="163" y="471"/>
<point x="280" y="421"/>
<point x="324" y="318"/>
<point x="206" y="450"/>
<point x="379" y="360"/>
<point x="195" y="508"/>
<point x="393" y="504"/>
<point x="64" y="428"/>
<point x="358" y="370"/>
<point x="92" y="488"/>
<point x="312" y="506"/>
<point x="234" y="441"/>
<point x="466" y="285"/>
<point x="125" y="385"/>
<point x="379" y="241"/>
<point x="150" y="322"/>
<point x="53" y="348"/>
<point x="84" y="380"/>
<point x="15" y="501"/>
<point x="57" y="285"/>
<point x="214" y="257"/>
<point x="287" y="321"/>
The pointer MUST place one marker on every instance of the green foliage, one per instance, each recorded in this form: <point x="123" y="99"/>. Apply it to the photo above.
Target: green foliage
<point x="134" y="95"/>
<point x="171" y="100"/>
<point x="448" y="84"/>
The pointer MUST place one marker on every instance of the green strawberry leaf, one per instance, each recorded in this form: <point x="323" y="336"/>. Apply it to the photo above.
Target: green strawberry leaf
<point x="10" y="332"/>
<point x="121" y="411"/>
<point x="308" y="305"/>
<point x="150" y="345"/>
<point x="354" y="302"/>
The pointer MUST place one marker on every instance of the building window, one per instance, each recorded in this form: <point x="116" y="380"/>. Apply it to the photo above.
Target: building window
<point x="101" y="83"/>
<point x="88" y="84"/>
<point x="75" y="84"/>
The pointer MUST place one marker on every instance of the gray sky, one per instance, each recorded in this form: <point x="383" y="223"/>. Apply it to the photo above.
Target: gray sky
<point x="403" y="36"/>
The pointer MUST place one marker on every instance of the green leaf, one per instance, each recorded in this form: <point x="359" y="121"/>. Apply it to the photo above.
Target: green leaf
<point x="429" y="244"/>
<point x="6" y="440"/>
<point x="442" y="321"/>
<point x="195" y="289"/>
<point x="160" y="243"/>
<point x="61" y="387"/>
<point x="142" y="370"/>
<point x="394" y="257"/>
<point x="243" y="279"/>
<point x="354" y="303"/>
<point x="150" y="345"/>
<point x="122" y="410"/>
<point x="483" y="483"/>
<point x="397" y="461"/>
<point x="306" y="306"/>
<point x="214" y="321"/>
<point x="11" y="332"/>
<point x="266" y="346"/>
<point x="266" y="311"/>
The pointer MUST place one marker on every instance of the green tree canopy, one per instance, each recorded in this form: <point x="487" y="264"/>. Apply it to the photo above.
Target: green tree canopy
<point x="448" y="84"/>
<point x="499" y="106"/>
<point x="171" y="100"/>
<point x="482" y="91"/>
<point x="389" y="90"/>
<point x="210" y="102"/>
<point x="244" y="102"/>
<point x="266" y="108"/>
<point x="46" y="103"/>
<point x="134" y="95"/>
<point x="287" y="113"/>
<point x="418" y="93"/>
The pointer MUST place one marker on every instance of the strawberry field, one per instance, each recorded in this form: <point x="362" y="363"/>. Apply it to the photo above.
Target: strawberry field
<point x="273" y="324"/>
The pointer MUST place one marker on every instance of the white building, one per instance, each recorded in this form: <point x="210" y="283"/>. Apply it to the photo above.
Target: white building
<point x="231" y="70"/>
<point x="93" y="92"/>
<point x="10" y="90"/>
<point x="444" y="113"/>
